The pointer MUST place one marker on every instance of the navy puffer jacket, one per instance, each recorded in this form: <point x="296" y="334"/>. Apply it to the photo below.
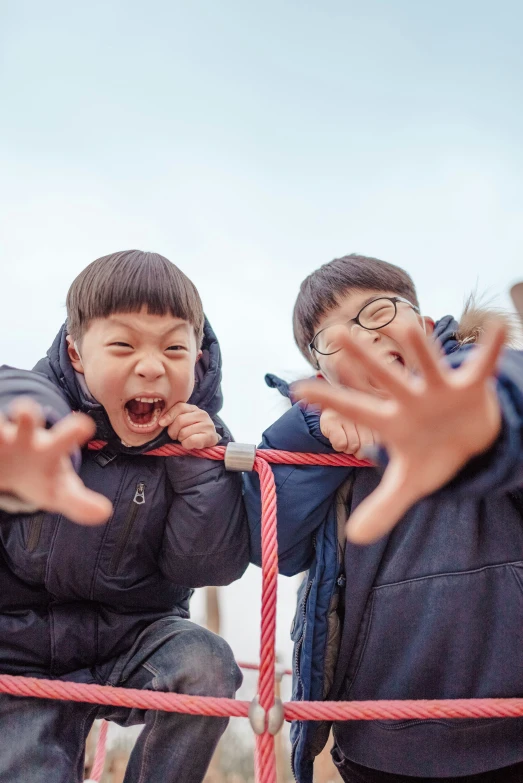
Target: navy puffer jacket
<point x="432" y="610"/>
<point x="72" y="596"/>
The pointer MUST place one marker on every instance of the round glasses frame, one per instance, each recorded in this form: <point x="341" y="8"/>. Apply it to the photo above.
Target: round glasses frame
<point x="357" y="320"/>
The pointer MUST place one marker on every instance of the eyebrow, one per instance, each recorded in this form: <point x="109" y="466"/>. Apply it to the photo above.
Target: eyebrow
<point x="362" y="305"/>
<point x="368" y="301"/>
<point x="371" y="299"/>
<point x="170" y="330"/>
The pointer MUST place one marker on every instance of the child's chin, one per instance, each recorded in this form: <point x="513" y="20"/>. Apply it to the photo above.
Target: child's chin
<point x="132" y="437"/>
<point x="139" y="440"/>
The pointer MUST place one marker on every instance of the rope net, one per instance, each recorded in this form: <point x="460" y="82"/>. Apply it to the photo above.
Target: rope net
<point x="265" y="713"/>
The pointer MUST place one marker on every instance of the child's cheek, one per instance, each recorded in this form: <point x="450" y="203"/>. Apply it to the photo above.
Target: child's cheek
<point x="182" y="386"/>
<point x="343" y="371"/>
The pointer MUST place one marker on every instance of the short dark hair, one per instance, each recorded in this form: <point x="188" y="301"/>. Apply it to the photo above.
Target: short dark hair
<point x="128" y="281"/>
<point x="322" y="290"/>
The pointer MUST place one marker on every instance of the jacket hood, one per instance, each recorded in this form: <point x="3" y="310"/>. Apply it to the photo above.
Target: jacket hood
<point x="445" y="331"/>
<point x="207" y="392"/>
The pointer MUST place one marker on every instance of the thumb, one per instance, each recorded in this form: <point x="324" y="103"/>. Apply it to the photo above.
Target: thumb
<point x="383" y="508"/>
<point x="82" y="505"/>
<point x="326" y="418"/>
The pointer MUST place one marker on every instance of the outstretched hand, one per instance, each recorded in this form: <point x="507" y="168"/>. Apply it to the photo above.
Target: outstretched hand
<point x="431" y="424"/>
<point x="35" y="463"/>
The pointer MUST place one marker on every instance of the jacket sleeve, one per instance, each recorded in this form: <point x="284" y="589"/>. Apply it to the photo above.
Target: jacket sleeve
<point x="206" y="540"/>
<point x="500" y="469"/>
<point x="25" y="383"/>
<point x="304" y="493"/>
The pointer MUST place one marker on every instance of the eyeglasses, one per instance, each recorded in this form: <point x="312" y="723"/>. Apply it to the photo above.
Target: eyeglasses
<point x="374" y="315"/>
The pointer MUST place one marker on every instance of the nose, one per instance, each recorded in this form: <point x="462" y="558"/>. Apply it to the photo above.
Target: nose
<point x="366" y="336"/>
<point x="150" y="367"/>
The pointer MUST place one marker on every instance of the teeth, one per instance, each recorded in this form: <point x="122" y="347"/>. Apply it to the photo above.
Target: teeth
<point x="154" y="420"/>
<point x="392" y="358"/>
<point x="148" y="399"/>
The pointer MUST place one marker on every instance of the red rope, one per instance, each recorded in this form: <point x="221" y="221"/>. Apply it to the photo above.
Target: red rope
<point x="122" y="697"/>
<point x="99" y="757"/>
<point x="265" y="762"/>
<point x="294" y="710"/>
<point x="265" y="756"/>
<point x="267" y="455"/>
<point x="404" y="709"/>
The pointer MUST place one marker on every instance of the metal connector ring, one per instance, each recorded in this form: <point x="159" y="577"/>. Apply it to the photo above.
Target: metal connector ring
<point x="240" y="456"/>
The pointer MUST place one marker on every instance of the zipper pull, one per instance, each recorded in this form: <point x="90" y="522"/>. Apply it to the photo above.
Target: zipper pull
<point x="139" y="495"/>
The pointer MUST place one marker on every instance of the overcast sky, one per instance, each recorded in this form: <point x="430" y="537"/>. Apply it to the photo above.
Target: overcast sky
<point x="250" y="143"/>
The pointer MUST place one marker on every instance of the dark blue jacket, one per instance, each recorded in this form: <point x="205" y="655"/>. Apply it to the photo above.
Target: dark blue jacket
<point x="72" y="596"/>
<point x="432" y="610"/>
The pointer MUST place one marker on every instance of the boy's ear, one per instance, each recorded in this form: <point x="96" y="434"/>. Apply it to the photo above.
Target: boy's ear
<point x="74" y="356"/>
<point x="198" y="357"/>
<point x="428" y="324"/>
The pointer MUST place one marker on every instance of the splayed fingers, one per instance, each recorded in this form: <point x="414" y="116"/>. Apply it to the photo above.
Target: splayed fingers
<point x="35" y="463"/>
<point x="383" y="508"/>
<point x="431" y="423"/>
<point x="69" y="434"/>
<point x="27" y="418"/>
<point x="80" y="504"/>
<point x="385" y="376"/>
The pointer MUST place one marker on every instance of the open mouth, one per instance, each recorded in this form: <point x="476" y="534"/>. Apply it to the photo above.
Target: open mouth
<point x="394" y="358"/>
<point x="143" y="412"/>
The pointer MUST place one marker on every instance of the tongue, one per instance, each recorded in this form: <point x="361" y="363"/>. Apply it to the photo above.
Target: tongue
<point x="140" y="412"/>
<point x="139" y="408"/>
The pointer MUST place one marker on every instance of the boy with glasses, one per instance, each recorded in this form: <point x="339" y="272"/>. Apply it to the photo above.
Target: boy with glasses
<point x="432" y="606"/>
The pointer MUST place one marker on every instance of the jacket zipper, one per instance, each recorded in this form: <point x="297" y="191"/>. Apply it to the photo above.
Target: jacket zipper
<point x="297" y="650"/>
<point x="341" y="581"/>
<point x="297" y="658"/>
<point x="304" y="627"/>
<point x="293" y="755"/>
<point x="35" y="530"/>
<point x="137" y="501"/>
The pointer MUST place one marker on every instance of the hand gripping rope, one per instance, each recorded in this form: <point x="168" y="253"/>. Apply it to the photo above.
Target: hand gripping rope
<point x="265" y="712"/>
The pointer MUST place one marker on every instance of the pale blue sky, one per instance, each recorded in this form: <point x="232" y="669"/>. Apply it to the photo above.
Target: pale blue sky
<point x="250" y="143"/>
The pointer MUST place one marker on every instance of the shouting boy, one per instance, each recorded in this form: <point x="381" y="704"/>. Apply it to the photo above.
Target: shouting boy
<point x="138" y="363"/>
<point x="432" y="606"/>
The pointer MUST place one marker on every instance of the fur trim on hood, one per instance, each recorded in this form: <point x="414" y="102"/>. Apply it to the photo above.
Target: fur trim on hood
<point x="475" y="318"/>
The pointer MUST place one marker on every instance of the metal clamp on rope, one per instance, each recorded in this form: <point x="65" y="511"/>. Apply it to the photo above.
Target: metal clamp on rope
<point x="257" y="716"/>
<point x="276" y="717"/>
<point x="239" y="456"/>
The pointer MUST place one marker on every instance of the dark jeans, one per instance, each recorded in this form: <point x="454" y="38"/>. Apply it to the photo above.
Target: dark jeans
<point x="44" y="740"/>
<point x="355" y="773"/>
